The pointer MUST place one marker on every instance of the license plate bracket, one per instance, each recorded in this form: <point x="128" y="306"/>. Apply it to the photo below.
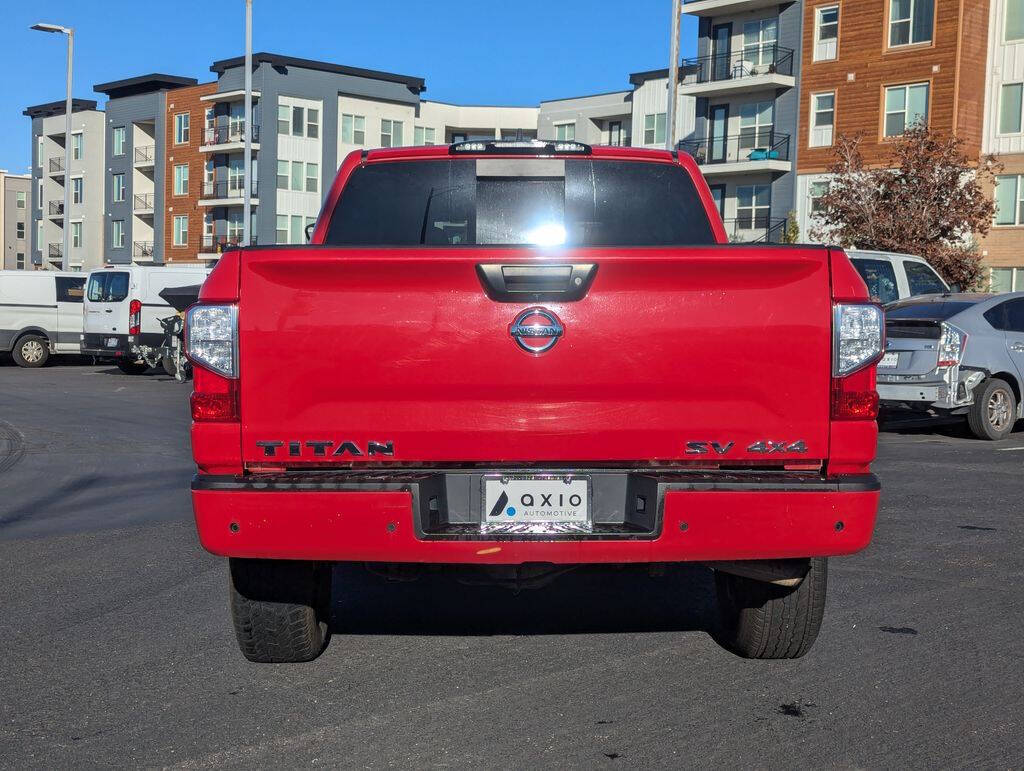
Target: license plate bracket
<point x="890" y="361"/>
<point x="539" y="501"/>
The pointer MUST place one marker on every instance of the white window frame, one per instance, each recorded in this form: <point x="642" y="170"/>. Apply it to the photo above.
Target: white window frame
<point x="1020" y="115"/>
<point x="182" y="128"/>
<point x="284" y="119"/>
<point x="822" y="136"/>
<point x="76" y="235"/>
<point x="180" y="234"/>
<point x="119" y="188"/>
<point x="754" y="208"/>
<point x="905" y="87"/>
<point x="826" y="50"/>
<point x="1006" y="26"/>
<point x="296" y="180"/>
<point x="651" y="124"/>
<point x="278" y="230"/>
<point x="763" y="130"/>
<point x="20" y="228"/>
<point x="565" y="131"/>
<point x="21" y="199"/>
<point x="391" y="129"/>
<point x="117" y="234"/>
<point x="424" y="136"/>
<point x="909" y="21"/>
<point x="77" y="145"/>
<point x="313" y="178"/>
<point x="77" y="190"/>
<point x="1018" y="200"/>
<point x="39" y="151"/>
<point x="766" y="46"/>
<point x="312" y="123"/>
<point x="118" y="135"/>
<point x="180" y="179"/>
<point x="356" y="129"/>
<point x="812" y="198"/>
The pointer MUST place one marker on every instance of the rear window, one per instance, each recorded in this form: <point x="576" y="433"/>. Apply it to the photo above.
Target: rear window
<point x="939" y="311"/>
<point x="519" y="202"/>
<point x="107" y="287"/>
<point x="922" y="279"/>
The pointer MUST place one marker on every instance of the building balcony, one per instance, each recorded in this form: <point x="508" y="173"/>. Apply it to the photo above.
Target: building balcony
<point x="756" y="229"/>
<point x="214" y="246"/>
<point x="56" y="252"/>
<point x="57" y="165"/>
<point x="721" y="7"/>
<point x="222" y="139"/>
<point x="142" y="250"/>
<point x="56" y="209"/>
<point x="143" y="204"/>
<point x="238" y="95"/>
<point x="745" y="153"/>
<point x="144" y="156"/>
<point x="754" y="68"/>
<point x="227" y="193"/>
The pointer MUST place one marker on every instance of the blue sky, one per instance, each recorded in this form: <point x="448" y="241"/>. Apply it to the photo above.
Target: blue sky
<point x="470" y="52"/>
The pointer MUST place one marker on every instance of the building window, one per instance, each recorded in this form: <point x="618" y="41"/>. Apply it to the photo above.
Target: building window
<point x="19" y="231"/>
<point x="353" y="129"/>
<point x="823" y="118"/>
<point x="295" y="231"/>
<point x="236" y="176"/>
<point x="76" y="235"/>
<point x="1014" y="27"/>
<point x="209" y="175"/>
<point x="423" y="136"/>
<point x="282" y="229"/>
<point x="565" y="132"/>
<point x="390" y="134"/>
<point x="1010" y="108"/>
<point x="296" y="175"/>
<point x="117" y="234"/>
<point x="759" y="41"/>
<point x="654" y="129"/>
<point x="118" y="188"/>
<point x="209" y="123"/>
<point x="76" y="147"/>
<point x="181" y="179"/>
<point x="181" y="230"/>
<point x="753" y="206"/>
<point x="312" y="123"/>
<point x="282" y="175"/>
<point x="816" y="192"/>
<point x="20" y="261"/>
<point x="1009" y="206"/>
<point x="615" y="133"/>
<point x="298" y="122"/>
<point x="236" y="226"/>
<point x="77" y="190"/>
<point x="826" y="33"/>
<point x="21" y="199"/>
<point x="904" y="107"/>
<point x="39" y="190"/>
<point x="756" y="124"/>
<point x="39" y="152"/>
<point x="181" y="128"/>
<point x="312" y="178"/>
<point x="117" y="140"/>
<point x="910" y="22"/>
<point x="284" y="119"/>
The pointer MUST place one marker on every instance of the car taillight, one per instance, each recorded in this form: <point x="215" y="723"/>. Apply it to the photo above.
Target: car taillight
<point x="134" y="317"/>
<point x="214" y="397"/>
<point x="211" y="344"/>
<point x="857" y="343"/>
<point x="952" y="344"/>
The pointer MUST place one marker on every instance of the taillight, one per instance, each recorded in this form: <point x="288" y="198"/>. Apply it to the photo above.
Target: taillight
<point x="857" y="343"/>
<point x="134" y="317"/>
<point x="952" y="345"/>
<point x="211" y="344"/>
<point x="214" y="397"/>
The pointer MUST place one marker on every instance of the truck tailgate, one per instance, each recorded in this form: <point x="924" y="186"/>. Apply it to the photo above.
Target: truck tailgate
<point x="402" y="348"/>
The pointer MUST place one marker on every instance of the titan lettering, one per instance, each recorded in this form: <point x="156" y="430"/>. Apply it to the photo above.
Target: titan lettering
<point x="320" y="448"/>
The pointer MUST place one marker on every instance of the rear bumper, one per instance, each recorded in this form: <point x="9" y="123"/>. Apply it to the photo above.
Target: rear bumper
<point x="700" y="517"/>
<point x="116" y="345"/>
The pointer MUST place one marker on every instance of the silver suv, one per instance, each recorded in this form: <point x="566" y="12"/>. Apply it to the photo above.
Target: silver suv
<point x="959" y="354"/>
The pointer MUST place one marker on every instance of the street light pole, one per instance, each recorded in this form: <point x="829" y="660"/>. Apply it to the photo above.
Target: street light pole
<point x="673" y="76"/>
<point x="247" y="193"/>
<point x="65" y="247"/>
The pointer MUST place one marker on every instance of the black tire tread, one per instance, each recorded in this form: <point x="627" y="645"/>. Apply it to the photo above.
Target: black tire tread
<point x="276" y="610"/>
<point x="764" y="621"/>
<point x="16" y="351"/>
<point x="977" y="417"/>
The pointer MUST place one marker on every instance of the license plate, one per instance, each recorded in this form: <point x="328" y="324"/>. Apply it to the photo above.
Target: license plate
<point x="890" y="360"/>
<point x="111" y="342"/>
<point x="535" y="499"/>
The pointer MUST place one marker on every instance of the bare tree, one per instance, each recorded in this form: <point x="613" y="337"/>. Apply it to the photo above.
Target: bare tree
<point x="929" y="199"/>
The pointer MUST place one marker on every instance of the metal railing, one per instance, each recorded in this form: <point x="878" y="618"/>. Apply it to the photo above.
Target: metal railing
<point x="230" y="188"/>
<point x="142" y="201"/>
<point x="220" y="243"/>
<point x="56" y="251"/>
<point x="233" y="132"/>
<point x="752" y="61"/>
<point x="756" y="228"/>
<point x="142" y="249"/>
<point x="145" y="154"/>
<point x="753" y="145"/>
<point x="57" y="164"/>
<point x="56" y="208"/>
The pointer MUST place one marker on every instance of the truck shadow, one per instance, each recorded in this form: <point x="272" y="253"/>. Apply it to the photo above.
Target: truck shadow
<point x="591" y="599"/>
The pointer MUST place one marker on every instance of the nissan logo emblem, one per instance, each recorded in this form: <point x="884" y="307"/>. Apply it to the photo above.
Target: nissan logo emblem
<point x="536" y="330"/>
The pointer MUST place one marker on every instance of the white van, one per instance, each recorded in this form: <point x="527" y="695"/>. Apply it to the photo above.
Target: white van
<point x="40" y="314"/>
<point x="123" y="307"/>
<point x="892" y="276"/>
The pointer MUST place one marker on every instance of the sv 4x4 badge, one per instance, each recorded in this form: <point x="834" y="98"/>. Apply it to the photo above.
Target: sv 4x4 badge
<point x="764" y="447"/>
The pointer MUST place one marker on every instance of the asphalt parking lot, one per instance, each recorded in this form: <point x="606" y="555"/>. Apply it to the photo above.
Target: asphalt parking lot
<point x="118" y="650"/>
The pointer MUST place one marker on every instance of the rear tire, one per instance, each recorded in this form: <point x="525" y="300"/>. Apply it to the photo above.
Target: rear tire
<point x="31" y="351"/>
<point x="133" y="367"/>
<point x="764" y="621"/>
<point x="994" y="411"/>
<point x="168" y="364"/>
<point x="280" y="609"/>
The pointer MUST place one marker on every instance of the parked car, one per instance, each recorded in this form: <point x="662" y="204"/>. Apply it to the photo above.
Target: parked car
<point x="957" y="354"/>
<point x="40" y="314"/>
<point x="516" y="357"/>
<point x="891" y="276"/>
<point x="123" y="308"/>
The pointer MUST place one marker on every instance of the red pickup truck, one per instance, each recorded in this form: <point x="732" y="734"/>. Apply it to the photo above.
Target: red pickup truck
<point x="515" y="357"/>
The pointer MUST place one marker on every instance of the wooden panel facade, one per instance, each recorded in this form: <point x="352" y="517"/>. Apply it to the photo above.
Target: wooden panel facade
<point x="953" y="64"/>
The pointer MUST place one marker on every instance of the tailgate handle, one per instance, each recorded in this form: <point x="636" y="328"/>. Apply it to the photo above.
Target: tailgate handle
<point x="535" y="283"/>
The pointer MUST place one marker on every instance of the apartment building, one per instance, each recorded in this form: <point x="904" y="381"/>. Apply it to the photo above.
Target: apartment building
<point x="86" y="178"/>
<point x="926" y="63"/>
<point x="597" y="119"/>
<point x="15" y="221"/>
<point x="745" y="85"/>
<point x="1003" y="136"/>
<point x="135" y="166"/>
